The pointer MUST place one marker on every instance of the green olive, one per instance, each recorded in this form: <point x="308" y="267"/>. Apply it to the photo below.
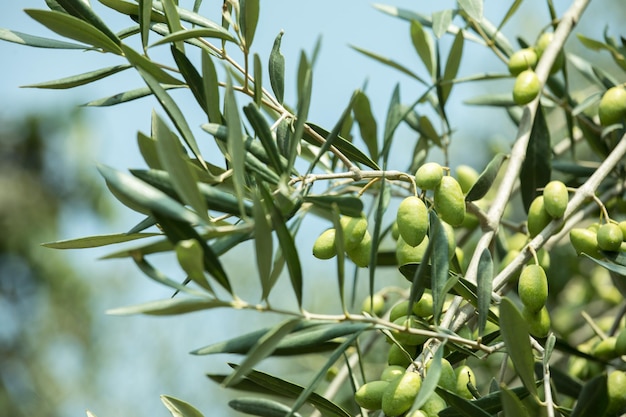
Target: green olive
<point x="610" y="237"/>
<point x="620" y="343"/>
<point x="542" y="43"/>
<point x="374" y="304"/>
<point x="555" y="198"/>
<point x="466" y="176"/>
<point x="447" y="378"/>
<point x="412" y="220"/>
<point x="538" y="217"/>
<point x="417" y="413"/>
<point x="392" y="372"/>
<point x="324" y="246"/>
<point x="612" y="108"/>
<point x="522" y="60"/>
<point x="404" y="337"/>
<point x="370" y="395"/>
<point x="450" y="201"/>
<point x="532" y="287"/>
<point x="465" y="376"/>
<point x="433" y="405"/>
<point x="585" y="241"/>
<point x="400" y="394"/>
<point x="428" y="176"/>
<point x="616" y="384"/>
<point x="399" y="310"/>
<point x="354" y="229"/>
<point x="606" y="349"/>
<point x="394" y="231"/>
<point x="622" y="226"/>
<point x="396" y="356"/>
<point x="526" y="87"/>
<point x="362" y="253"/>
<point x="406" y="253"/>
<point x="424" y="307"/>
<point x="538" y="322"/>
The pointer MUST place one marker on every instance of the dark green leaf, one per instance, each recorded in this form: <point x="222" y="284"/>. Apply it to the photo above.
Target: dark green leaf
<point x="486" y="178"/>
<point x="491" y="403"/>
<point x="262" y="407"/>
<point x="171" y="306"/>
<point x="211" y="89"/>
<point x="183" y="35"/>
<point x="594" y="398"/>
<point x="82" y="10"/>
<point x="514" y="330"/>
<point x="511" y="404"/>
<point x="536" y="170"/>
<point x="173" y="19"/>
<point x="263" y="348"/>
<point x="127" y="96"/>
<point x="463" y="406"/>
<point x="395" y="114"/>
<point x="440" y="263"/>
<point x="277" y="69"/>
<point x="305" y="85"/>
<point x="158" y="276"/>
<point x="441" y="22"/>
<point x="348" y="205"/>
<point x="248" y="19"/>
<point x="235" y="142"/>
<point x="179" y="408"/>
<point x="262" y="130"/>
<point x="423" y="44"/>
<point x="74" y="28"/>
<point x="97" y="241"/>
<point x="429" y="384"/>
<point x="484" y="280"/>
<point x="36" y="41"/>
<point x="145" y="18"/>
<point x="80" y="79"/>
<point x="609" y="264"/>
<point x="258" y="81"/>
<point x="389" y="62"/>
<point x="452" y="67"/>
<point x="148" y="66"/>
<point x="473" y="8"/>
<point x="191" y="76"/>
<point x="263" y="243"/>
<point x="367" y="124"/>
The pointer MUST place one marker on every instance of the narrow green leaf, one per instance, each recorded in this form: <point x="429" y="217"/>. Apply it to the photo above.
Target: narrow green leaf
<point x="190" y="256"/>
<point x="82" y="10"/>
<point x="594" y="398"/>
<point x="491" y="403"/>
<point x="146" y="196"/>
<point x="340" y="249"/>
<point x="211" y="89"/>
<point x="382" y="202"/>
<point x="463" y="406"/>
<point x="186" y="34"/>
<point x="486" y="179"/>
<point x="171" y="306"/>
<point x="258" y="81"/>
<point x="429" y="384"/>
<point x="191" y="76"/>
<point x="441" y="22"/>
<point x="498" y="100"/>
<point x="484" y="284"/>
<point x="262" y="130"/>
<point x="514" y="330"/>
<point x="277" y="69"/>
<point x="176" y="162"/>
<point x="367" y="123"/>
<point x="126" y="96"/>
<point x="423" y="44"/>
<point x="235" y="142"/>
<point x="305" y="86"/>
<point x="262" y="349"/>
<point x="421" y="278"/>
<point x="609" y="264"/>
<point x="536" y="168"/>
<point x="37" y="41"/>
<point x="145" y="19"/>
<point x="348" y="205"/>
<point x="80" y="79"/>
<point x="248" y="19"/>
<point x="473" y="8"/>
<point x="173" y="20"/>
<point x="514" y="6"/>
<point x="511" y="404"/>
<point x="262" y="407"/>
<point x="287" y="244"/>
<point x="440" y="263"/>
<point x="74" y="28"/>
<point x="395" y="115"/>
<point x="149" y="67"/>
<point x="390" y="63"/>
<point x="263" y="243"/>
<point x="97" y="241"/>
<point x="179" y="408"/>
<point x="452" y="66"/>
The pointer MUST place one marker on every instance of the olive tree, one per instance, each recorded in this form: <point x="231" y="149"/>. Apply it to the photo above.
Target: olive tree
<point x="512" y="301"/>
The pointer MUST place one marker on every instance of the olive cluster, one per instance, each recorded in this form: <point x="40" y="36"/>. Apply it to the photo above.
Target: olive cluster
<point x="357" y="241"/>
<point x="609" y="237"/>
<point x="532" y="289"/>
<point x="397" y="388"/>
<point x="546" y="207"/>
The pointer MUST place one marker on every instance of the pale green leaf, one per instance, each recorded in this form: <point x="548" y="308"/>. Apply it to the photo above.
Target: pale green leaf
<point x="80" y="79"/>
<point x="82" y="10"/>
<point x="263" y="243"/>
<point x="36" y="41"/>
<point x="367" y="123"/>
<point x="194" y="33"/>
<point x="429" y="384"/>
<point x="248" y="19"/>
<point x="127" y="96"/>
<point x="179" y="408"/>
<point x="512" y="9"/>
<point x="262" y="407"/>
<point x="235" y="141"/>
<point x="97" y="241"/>
<point x="171" y="306"/>
<point x="423" y="44"/>
<point x="211" y="89"/>
<point x="473" y="8"/>
<point x="452" y="67"/>
<point x="277" y="69"/>
<point x="441" y="22"/>
<point x="258" y="81"/>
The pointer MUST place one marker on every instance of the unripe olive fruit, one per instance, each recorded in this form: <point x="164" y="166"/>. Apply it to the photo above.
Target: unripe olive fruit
<point x="354" y="229"/>
<point x="542" y="43"/>
<point x="424" y="307"/>
<point x="406" y="338"/>
<point x="417" y="413"/>
<point x="620" y="343"/>
<point x="526" y="87"/>
<point x="622" y="226"/>
<point x="532" y="287"/>
<point x="555" y="198"/>
<point x="538" y="217"/>
<point x="374" y="304"/>
<point x="538" y="321"/>
<point x="397" y="357"/>
<point x="370" y="395"/>
<point x="433" y="405"/>
<point x="392" y="372"/>
<point x="450" y="201"/>
<point x="394" y="231"/>
<point x="324" y="246"/>
<point x="406" y="253"/>
<point x="412" y="220"/>
<point x="362" y="253"/>
<point x="449" y="230"/>
<point x="465" y="375"/>
<point x="399" y="310"/>
<point x="612" y="108"/>
<point x="585" y="240"/>
<point x="447" y="378"/>
<point x="466" y="176"/>
<point x="522" y="60"/>
<point x="616" y="384"/>
<point x="610" y="237"/>
<point x="606" y="349"/>
<point x="428" y="176"/>
<point x="400" y="394"/>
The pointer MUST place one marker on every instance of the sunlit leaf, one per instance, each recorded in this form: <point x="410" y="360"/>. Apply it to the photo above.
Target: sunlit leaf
<point x="423" y="44"/>
<point x="97" y="241"/>
<point x="473" y="8"/>
<point x="248" y="19"/>
<point x="463" y="406"/>
<point x="74" y="28"/>
<point x="262" y="129"/>
<point x="194" y="33"/>
<point x="484" y="284"/>
<point x="235" y="142"/>
<point x="367" y="123"/>
<point x="277" y="69"/>
<point x="348" y="205"/>
<point x="514" y="330"/>
<point x="82" y="10"/>
<point x="37" y="41"/>
<point x="440" y="262"/>
<point x="179" y="408"/>
<point x="536" y="168"/>
<point x="389" y="62"/>
<point x="486" y="178"/>
<point x="261" y="349"/>
<point x="80" y="79"/>
<point x="127" y="96"/>
<point x="441" y="22"/>
<point x="262" y="407"/>
<point x="263" y="243"/>
<point x="452" y="67"/>
<point x="171" y="306"/>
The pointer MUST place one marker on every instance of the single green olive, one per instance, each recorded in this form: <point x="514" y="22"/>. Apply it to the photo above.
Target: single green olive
<point x="354" y="229"/>
<point x="374" y="304"/>
<point x="324" y="246"/>
<point x="428" y="176"/>
<point x="610" y="237"/>
<point x="362" y="253"/>
<point x="616" y="385"/>
<point x="400" y="394"/>
<point x="555" y="198"/>
<point x="521" y="60"/>
<point x="412" y="220"/>
<point x="532" y="287"/>
<point x="466" y="176"/>
<point x="606" y="349"/>
<point x="450" y="201"/>
<point x="370" y="395"/>
<point x="406" y="253"/>
<point x="464" y="376"/>
<point x="612" y="107"/>
<point x="538" y="321"/>
<point x="538" y="217"/>
<point x="526" y="87"/>
<point x="585" y="241"/>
